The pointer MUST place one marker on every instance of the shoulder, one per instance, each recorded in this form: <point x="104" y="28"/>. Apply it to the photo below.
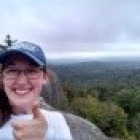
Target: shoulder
<point x="57" y="125"/>
<point x="54" y="117"/>
<point x="51" y="113"/>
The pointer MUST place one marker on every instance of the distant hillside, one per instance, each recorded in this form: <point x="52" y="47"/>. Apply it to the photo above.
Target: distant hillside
<point x="99" y="73"/>
<point x="100" y="59"/>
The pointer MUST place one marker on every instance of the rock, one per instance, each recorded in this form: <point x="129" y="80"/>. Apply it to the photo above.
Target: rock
<point x="52" y="92"/>
<point x="82" y="129"/>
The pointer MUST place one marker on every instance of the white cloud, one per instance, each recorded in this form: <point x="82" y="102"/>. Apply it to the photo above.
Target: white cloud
<point x="75" y="28"/>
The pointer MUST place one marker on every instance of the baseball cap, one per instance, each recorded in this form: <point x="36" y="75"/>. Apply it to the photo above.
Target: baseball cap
<point x="28" y="49"/>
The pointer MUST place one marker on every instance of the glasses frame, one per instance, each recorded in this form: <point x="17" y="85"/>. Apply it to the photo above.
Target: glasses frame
<point x="14" y="73"/>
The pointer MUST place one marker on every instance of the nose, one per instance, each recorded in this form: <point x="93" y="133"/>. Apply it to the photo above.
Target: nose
<point x="22" y="78"/>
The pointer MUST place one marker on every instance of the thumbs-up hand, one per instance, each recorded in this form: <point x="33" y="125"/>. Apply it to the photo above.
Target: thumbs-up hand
<point x="34" y="129"/>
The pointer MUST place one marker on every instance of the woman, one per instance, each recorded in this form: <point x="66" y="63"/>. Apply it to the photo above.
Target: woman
<point x="24" y="73"/>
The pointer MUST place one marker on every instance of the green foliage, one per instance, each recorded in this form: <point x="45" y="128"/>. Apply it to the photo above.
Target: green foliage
<point x="8" y="42"/>
<point x="136" y="125"/>
<point x="135" y="106"/>
<point x="129" y="99"/>
<point x="110" y="118"/>
<point x="107" y="112"/>
<point x="99" y="73"/>
<point x="86" y="107"/>
<point x="107" y="94"/>
<point x="113" y="120"/>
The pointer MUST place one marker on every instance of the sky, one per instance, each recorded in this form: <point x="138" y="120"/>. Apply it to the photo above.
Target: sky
<point x="74" y="29"/>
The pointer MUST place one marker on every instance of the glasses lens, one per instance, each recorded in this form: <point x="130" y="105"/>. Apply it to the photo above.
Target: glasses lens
<point x="11" y="73"/>
<point x="33" y="73"/>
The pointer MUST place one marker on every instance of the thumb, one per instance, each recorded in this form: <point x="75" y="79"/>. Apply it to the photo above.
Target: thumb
<point x="36" y="112"/>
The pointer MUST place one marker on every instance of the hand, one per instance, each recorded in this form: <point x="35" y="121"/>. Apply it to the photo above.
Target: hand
<point x="34" y="129"/>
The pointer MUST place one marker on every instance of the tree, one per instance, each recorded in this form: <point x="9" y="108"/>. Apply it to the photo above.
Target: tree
<point x="128" y="100"/>
<point x="110" y="119"/>
<point x="8" y="43"/>
<point x="136" y="125"/>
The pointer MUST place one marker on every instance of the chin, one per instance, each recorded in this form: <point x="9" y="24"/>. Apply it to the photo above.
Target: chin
<point x="21" y="103"/>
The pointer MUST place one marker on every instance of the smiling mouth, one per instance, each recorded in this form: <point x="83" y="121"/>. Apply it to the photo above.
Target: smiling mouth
<point x="22" y="92"/>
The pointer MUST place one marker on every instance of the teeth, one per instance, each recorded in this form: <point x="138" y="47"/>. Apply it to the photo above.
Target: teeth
<point x="22" y="91"/>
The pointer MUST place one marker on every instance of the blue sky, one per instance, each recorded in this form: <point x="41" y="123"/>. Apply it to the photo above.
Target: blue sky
<point x="74" y="28"/>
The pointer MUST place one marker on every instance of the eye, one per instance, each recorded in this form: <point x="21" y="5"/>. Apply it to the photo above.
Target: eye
<point x="9" y="71"/>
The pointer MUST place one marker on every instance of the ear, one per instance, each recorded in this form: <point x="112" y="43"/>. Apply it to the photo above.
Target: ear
<point x="45" y="78"/>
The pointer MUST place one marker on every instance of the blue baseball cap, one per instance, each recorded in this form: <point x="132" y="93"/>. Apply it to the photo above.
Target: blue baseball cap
<point x="29" y="50"/>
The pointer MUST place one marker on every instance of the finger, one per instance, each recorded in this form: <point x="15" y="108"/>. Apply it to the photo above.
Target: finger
<point x="36" y="112"/>
<point x="18" y="125"/>
<point x="17" y="135"/>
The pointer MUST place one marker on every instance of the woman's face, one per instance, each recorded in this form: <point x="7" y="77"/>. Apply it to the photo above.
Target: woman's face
<point x="22" y="82"/>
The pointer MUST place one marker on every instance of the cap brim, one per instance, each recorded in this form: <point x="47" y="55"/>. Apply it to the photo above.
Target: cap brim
<point x="8" y="53"/>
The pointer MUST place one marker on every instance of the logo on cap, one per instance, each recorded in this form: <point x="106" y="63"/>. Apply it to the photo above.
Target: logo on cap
<point x="25" y="45"/>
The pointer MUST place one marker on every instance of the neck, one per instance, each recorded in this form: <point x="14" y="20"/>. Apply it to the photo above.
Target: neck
<point x="21" y="110"/>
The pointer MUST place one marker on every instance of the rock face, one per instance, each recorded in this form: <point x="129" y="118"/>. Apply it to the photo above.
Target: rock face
<point x="82" y="129"/>
<point x="52" y="92"/>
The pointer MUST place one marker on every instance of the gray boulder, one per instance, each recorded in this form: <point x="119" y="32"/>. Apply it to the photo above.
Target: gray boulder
<point x="82" y="129"/>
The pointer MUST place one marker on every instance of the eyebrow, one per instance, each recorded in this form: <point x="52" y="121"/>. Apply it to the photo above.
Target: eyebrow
<point x="7" y="64"/>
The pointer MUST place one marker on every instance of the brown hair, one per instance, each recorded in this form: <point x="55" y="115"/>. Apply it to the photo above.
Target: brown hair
<point x="5" y="108"/>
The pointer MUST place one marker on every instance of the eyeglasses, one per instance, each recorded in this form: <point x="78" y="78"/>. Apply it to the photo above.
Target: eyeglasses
<point x="13" y="73"/>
